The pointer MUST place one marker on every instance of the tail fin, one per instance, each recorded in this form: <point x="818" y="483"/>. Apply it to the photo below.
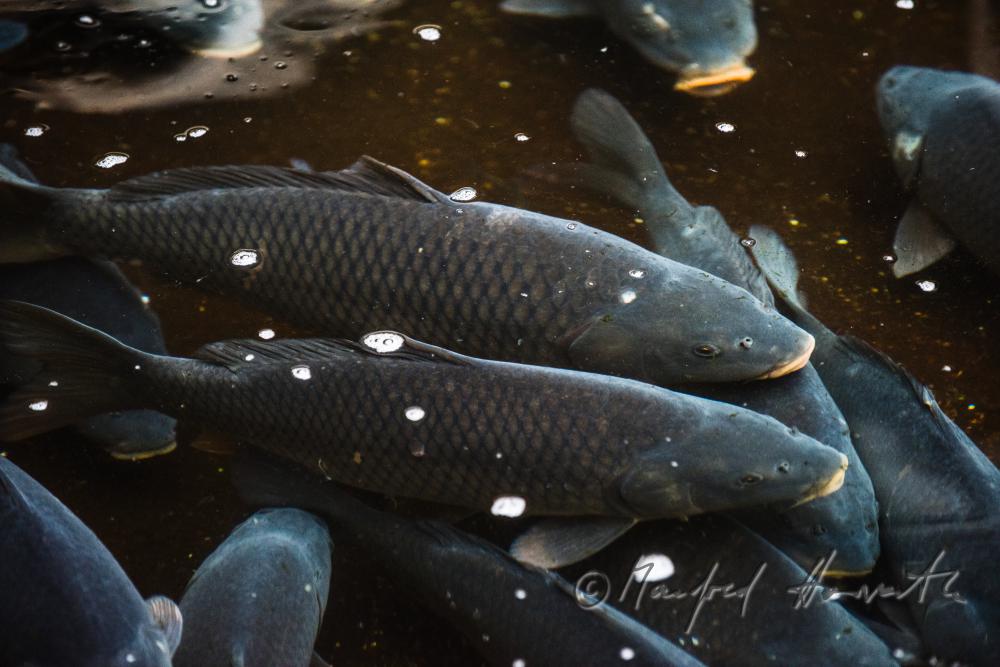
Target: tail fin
<point x="20" y="225"/>
<point x="86" y="372"/>
<point x="624" y="163"/>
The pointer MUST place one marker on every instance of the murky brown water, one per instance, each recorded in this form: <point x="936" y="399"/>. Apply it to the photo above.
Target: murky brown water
<point x="448" y="111"/>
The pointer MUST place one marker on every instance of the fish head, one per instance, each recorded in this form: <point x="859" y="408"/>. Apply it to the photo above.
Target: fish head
<point x="729" y="458"/>
<point x="213" y="28"/>
<point x="906" y="98"/>
<point x="692" y="327"/>
<point x="706" y="41"/>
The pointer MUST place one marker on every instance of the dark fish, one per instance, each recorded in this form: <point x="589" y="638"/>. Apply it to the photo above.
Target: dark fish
<point x="216" y="28"/>
<point x="12" y="33"/>
<point x="624" y="164"/>
<point x="758" y="623"/>
<point x="372" y="248"/>
<point x="704" y="41"/>
<point x="165" y="54"/>
<point x="65" y="600"/>
<point x="943" y="130"/>
<point x="938" y="493"/>
<point x="403" y="418"/>
<point x="514" y="615"/>
<point x="97" y="294"/>
<point x="258" y="600"/>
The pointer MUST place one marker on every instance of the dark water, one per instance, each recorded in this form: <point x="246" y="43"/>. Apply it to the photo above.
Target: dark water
<point x="448" y="112"/>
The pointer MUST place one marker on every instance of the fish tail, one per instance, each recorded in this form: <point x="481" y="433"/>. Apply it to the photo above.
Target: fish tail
<point x="623" y="163"/>
<point x="86" y="372"/>
<point x="22" y="198"/>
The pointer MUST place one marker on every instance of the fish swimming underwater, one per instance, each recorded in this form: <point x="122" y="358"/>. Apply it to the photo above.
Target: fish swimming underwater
<point x="216" y="28"/>
<point x="512" y="614"/>
<point x="705" y="41"/>
<point x="258" y="599"/>
<point x="407" y="419"/>
<point x="943" y="130"/>
<point x="938" y="493"/>
<point x="371" y="247"/>
<point x="65" y="600"/>
<point x="625" y="166"/>
<point x="763" y="621"/>
<point x="97" y="294"/>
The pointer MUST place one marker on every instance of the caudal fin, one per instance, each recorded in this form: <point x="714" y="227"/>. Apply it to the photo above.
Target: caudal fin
<point x="21" y="200"/>
<point x="85" y="372"/>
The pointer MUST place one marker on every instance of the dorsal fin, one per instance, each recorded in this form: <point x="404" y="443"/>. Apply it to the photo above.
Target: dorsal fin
<point x="238" y="353"/>
<point x="367" y="175"/>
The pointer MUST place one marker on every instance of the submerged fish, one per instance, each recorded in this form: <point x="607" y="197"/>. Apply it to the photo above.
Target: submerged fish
<point x="373" y="248"/>
<point x="403" y="418"/>
<point x="624" y="165"/>
<point x="705" y="41"/>
<point x="653" y="574"/>
<point x="65" y="600"/>
<point x="97" y="294"/>
<point x="514" y="615"/>
<point x="943" y="130"/>
<point x="258" y="599"/>
<point x="218" y="28"/>
<point x="938" y="493"/>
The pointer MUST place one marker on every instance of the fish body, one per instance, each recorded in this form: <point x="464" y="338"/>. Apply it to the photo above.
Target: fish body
<point x="766" y="619"/>
<point x="512" y="614"/>
<point x="937" y="491"/>
<point x="97" y="294"/>
<point x="368" y="248"/>
<point x="705" y="41"/>
<point x="258" y="599"/>
<point x="66" y="601"/>
<point x="624" y="164"/>
<point x="943" y="129"/>
<point x="422" y="422"/>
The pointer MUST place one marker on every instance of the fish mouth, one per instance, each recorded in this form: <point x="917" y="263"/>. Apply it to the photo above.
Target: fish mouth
<point x="142" y="456"/>
<point x="830" y="486"/>
<point x="715" y="82"/>
<point x="234" y="51"/>
<point x="796" y="364"/>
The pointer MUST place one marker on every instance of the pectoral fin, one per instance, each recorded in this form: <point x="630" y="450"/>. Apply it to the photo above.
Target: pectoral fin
<point x="554" y="543"/>
<point x="550" y="8"/>
<point x="167" y="617"/>
<point x="920" y="241"/>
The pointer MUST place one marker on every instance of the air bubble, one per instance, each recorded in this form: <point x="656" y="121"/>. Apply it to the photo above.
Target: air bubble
<point x="112" y="160"/>
<point x="653" y="567"/>
<point x="626" y="653"/>
<point x="801" y="154"/>
<point x="904" y="4"/>
<point x="463" y="194"/>
<point x="87" y="21"/>
<point x="245" y="258"/>
<point x="927" y="285"/>
<point x="521" y="136"/>
<point x="637" y="273"/>
<point x="418" y="449"/>
<point x="301" y="373"/>
<point x="725" y="127"/>
<point x="628" y="296"/>
<point x="520" y="594"/>
<point x="571" y="226"/>
<point x="38" y="406"/>
<point x="266" y="334"/>
<point x="748" y="242"/>
<point x="383" y="342"/>
<point x="36" y="130"/>
<point x="510" y="506"/>
<point x="428" y="32"/>
<point x="415" y="413"/>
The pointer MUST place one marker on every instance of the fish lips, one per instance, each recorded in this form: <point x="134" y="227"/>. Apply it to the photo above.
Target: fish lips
<point x="796" y="363"/>
<point x="714" y="81"/>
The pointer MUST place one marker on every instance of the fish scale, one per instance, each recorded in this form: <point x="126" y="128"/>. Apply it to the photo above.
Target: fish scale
<point x="367" y="252"/>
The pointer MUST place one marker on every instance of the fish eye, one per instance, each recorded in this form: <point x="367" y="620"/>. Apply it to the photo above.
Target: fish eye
<point x="750" y="479"/>
<point x="706" y="350"/>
